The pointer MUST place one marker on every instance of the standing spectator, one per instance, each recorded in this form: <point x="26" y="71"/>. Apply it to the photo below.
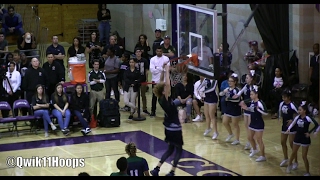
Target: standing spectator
<point x="104" y="16"/>
<point x="75" y="48"/>
<point x="143" y="45"/>
<point x="112" y="43"/>
<point x="55" y="73"/>
<point x="119" y="41"/>
<point x="34" y="75"/>
<point x="278" y="85"/>
<point x="3" y="46"/>
<point x="79" y="105"/>
<point x="131" y="87"/>
<point x="157" y="41"/>
<point x="111" y="69"/>
<point x="58" y="52"/>
<point x="314" y="76"/>
<point x="12" y="84"/>
<point x="61" y="110"/>
<point x="96" y="80"/>
<point x="27" y="42"/>
<point x="123" y="67"/>
<point x="167" y="49"/>
<point x="156" y="67"/>
<point x="12" y="23"/>
<point x="137" y="166"/>
<point x="143" y="66"/>
<point x="94" y="49"/>
<point x="2" y="11"/>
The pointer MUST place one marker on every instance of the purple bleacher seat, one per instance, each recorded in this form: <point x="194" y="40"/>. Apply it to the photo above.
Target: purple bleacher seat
<point x="22" y="104"/>
<point x="6" y="106"/>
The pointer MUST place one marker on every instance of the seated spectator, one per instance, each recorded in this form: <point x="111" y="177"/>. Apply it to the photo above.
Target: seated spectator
<point x="40" y="104"/>
<point x="197" y="102"/>
<point x="9" y="58"/>
<point x="2" y="12"/>
<point x="137" y="166"/>
<point x="61" y="112"/>
<point x="83" y="174"/>
<point x="12" y="23"/>
<point x="79" y="105"/>
<point x="122" y="165"/>
<point x="75" y="48"/>
<point x="3" y="46"/>
<point x="27" y="43"/>
<point x="184" y="93"/>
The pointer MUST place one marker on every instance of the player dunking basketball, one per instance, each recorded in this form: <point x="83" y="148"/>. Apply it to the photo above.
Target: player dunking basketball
<point x="172" y="126"/>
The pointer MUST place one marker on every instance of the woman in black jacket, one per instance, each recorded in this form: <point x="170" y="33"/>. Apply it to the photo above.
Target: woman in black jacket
<point x="79" y="105"/>
<point x="131" y="86"/>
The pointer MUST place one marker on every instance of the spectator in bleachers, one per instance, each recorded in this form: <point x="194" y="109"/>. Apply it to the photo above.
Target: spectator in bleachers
<point x="34" y="75"/>
<point x="75" y="48"/>
<point x="27" y="42"/>
<point x="96" y="80"/>
<point x="167" y="49"/>
<point x="111" y="70"/>
<point x="2" y="12"/>
<point x="9" y="58"/>
<point x="119" y="41"/>
<point x="12" y="23"/>
<point x="16" y="59"/>
<point x="3" y="46"/>
<point x="94" y="49"/>
<point x="143" y="45"/>
<point x="55" y="73"/>
<point x="104" y="16"/>
<point x="79" y="105"/>
<point x="112" y="43"/>
<point x="157" y="41"/>
<point x="61" y="111"/>
<point x="12" y="84"/>
<point x="40" y="104"/>
<point x="58" y="52"/>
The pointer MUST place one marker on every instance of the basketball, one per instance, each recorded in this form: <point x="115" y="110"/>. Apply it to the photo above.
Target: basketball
<point x="182" y="68"/>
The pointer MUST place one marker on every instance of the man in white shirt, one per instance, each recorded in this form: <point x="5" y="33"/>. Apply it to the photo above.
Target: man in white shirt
<point x="197" y="102"/>
<point x="12" y="85"/>
<point x="156" y="67"/>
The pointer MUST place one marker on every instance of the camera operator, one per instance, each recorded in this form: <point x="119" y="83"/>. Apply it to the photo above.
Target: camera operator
<point x="11" y="84"/>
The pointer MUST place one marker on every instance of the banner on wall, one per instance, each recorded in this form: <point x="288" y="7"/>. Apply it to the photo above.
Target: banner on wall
<point x="318" y="7"/>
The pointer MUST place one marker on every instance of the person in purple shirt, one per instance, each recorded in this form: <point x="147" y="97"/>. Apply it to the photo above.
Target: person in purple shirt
<point x="12" y="23"/>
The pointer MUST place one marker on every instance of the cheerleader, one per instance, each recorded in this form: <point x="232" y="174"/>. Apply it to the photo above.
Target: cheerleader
<point x="233" y="110"/>
<point x="287" y="109"/>
<point x="302" y="137"/>
<point x="245" y="92"/>
<point x="210" y="106"/>
<point x="172" y="126"/>
<point x="256" y="127"/>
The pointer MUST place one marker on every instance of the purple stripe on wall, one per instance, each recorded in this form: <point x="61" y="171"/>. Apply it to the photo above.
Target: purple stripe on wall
<point x="190" y="163"/>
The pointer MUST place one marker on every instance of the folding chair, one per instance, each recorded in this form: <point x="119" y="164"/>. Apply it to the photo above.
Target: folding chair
<point x="4" y="105"/>
<point x="23" y="104"/>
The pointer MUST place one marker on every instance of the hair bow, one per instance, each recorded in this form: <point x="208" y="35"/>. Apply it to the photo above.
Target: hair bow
<point x="234" y="75"/>
<point x="303" y="103"/>
<point x="255" y="88"/>
<point x="252" y="72"/>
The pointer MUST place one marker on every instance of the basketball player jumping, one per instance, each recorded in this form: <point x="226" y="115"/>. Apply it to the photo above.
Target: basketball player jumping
<point x="173" y="129"/>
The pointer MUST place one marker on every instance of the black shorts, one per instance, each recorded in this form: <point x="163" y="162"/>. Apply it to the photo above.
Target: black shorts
<point x="173" y="137"/>
<point x="200" y="104"/>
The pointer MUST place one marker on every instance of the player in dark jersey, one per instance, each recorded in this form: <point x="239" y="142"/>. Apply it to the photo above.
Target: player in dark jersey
<point x="302" y="137"/>
<point x="172" y="126"/>
<point x="287" y="110"/>
<point x="137" y="166"/>
<point x="257" y="108"/>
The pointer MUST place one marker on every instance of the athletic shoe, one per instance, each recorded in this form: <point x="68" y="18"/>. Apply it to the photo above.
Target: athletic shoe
<point x="253" y="152"/>
<point x="289" y="168"/>
<point x="215" y="136"/>
<point x="247" y="146"/>
<point x="207" y="131"/>
<point x="154" y="172"/>
<point x="197" y="119"/>
<point x="283" y="163"/>
<point x="235" y="142"/>
<point x="229" y="137"/>
<point x="261" y="158"/>
<point x="295" y="166"/>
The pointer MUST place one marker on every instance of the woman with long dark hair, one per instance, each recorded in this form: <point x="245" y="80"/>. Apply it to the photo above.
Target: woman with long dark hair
<point x="143" y="45"/>
<point x="94" y="49"/>
<point x="75" y="48"/>
<point x="104" y="17"/>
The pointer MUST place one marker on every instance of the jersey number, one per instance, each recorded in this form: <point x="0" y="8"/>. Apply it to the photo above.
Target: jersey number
<point x="134" y="172"/>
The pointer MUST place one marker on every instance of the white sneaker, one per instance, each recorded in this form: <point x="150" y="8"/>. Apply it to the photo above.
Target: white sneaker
<point x="229" y="137"/>
<point x="198" y="118"/>
<point x="284" y="163"/>
<point x="235" y="142"/>
<point x="261" y="158"/>
<point x="112" y="93"/>
<point x="247" y="146"/>
<point x="46" y="134"/>
<point x="295" y="166"/>
<point x="207" y="131"/>
<point x="307" y="174"/>
<point x="121" y="91"/>
<point x="215" y="136"/>
<point x="289" y="168"/>
<point x="253" y="152"/>
<point x="53" y="127"/>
